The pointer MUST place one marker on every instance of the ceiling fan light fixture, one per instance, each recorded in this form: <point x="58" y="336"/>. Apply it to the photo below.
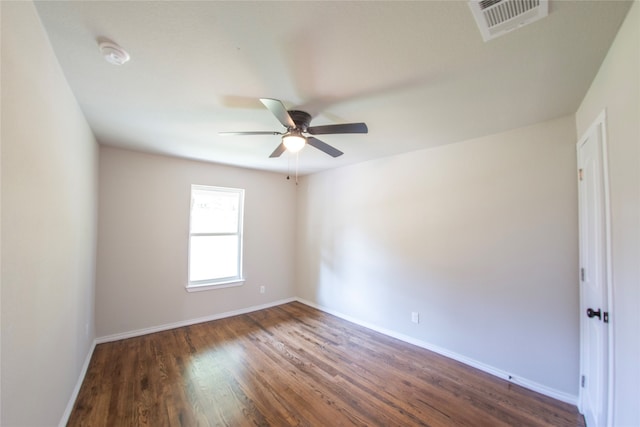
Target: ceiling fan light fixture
<point x="294" y="142"/>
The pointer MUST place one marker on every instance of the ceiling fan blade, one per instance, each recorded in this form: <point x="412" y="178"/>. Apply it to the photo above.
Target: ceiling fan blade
<point x="259" y="132"/>
<point x="279" y="150"/>
<point x="277" y="109"/>
<point x="323" y="146"/>
<point x="343" y="128"/>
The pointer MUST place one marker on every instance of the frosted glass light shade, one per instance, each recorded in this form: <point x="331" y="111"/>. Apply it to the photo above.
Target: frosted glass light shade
<point x="294" y="143"/>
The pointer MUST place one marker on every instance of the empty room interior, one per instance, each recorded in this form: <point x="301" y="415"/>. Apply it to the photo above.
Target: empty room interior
<point x="454" y="240"/>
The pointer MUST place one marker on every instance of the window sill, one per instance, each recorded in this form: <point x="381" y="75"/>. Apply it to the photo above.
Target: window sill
<point x="212" y="286"/>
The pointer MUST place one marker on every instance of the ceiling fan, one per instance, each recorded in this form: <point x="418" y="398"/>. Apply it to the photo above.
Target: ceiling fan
<point x="297" y="124"/>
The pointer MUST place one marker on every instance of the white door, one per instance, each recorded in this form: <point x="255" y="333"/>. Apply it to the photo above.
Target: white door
<point x="594" y="275"/>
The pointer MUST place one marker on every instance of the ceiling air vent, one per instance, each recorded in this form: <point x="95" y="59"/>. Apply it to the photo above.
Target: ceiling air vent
<point x="497" y="17"/>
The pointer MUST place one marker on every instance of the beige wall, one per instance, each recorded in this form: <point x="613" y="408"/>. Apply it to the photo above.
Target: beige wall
<point x="479" y="237"/>
<point x="49" y="201"/>
<point x="616" y="88"/>
<point x="143" y="240"/>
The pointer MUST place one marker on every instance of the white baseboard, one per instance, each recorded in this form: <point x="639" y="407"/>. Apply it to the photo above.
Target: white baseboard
<point x="74" y="394"/>
<point x="524" y="382"/>
<point x="168" y="326"/>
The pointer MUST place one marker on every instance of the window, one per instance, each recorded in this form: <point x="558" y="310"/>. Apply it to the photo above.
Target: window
<point x="215" y="237"/>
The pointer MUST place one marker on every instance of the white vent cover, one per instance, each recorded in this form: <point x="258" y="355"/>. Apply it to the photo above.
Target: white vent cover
<point x="497" y="17"/>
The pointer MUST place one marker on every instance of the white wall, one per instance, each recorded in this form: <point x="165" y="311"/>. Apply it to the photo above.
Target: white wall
<point x="143" y="240"/>
<point x="616" y="88"/>
<point x="49" y="205"/>
<point x="479" y="237"/>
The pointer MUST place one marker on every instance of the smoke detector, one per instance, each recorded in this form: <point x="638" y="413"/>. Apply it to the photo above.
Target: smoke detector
<point x="113" y="53"/>
<point x="498" y="17"/>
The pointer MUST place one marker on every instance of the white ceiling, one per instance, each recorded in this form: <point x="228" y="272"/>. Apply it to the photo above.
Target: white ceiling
<point x="418" y="73"/>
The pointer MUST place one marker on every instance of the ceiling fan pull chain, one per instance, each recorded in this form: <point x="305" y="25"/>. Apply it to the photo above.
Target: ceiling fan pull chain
<point x="297" y="158"/>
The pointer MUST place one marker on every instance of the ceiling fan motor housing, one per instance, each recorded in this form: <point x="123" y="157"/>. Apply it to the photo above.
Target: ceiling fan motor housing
<point x="302" y="119"/>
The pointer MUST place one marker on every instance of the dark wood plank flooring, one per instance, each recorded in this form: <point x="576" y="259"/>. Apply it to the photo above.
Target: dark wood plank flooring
<point x="293" y="365"/>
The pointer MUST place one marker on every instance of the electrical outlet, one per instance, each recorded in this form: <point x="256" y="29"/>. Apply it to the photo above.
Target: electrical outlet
<point x="415" y="317"/>
<point x="262" y="289"/>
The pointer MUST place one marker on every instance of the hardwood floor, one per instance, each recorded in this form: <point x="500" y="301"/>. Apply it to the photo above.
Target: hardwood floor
<point x="293" y="365"/>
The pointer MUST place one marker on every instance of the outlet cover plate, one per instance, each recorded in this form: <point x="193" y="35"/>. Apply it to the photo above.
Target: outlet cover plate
<point x="415" y="317"/>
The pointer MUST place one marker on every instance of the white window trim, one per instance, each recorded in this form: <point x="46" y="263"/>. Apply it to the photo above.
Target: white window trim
<point x="218" y="285"/>
<point x="225" y="282"/>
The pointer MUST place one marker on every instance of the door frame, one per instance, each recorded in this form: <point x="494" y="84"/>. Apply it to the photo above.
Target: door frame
<point x="600" y="121"/>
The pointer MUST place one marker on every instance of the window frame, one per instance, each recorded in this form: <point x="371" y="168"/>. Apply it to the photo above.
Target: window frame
<point x="222" y="282"/>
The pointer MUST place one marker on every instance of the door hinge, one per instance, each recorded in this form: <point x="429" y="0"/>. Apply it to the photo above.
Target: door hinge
<point x="582" y="380"/>
<point x="605" y="317"/>
<point x="582" y="274"/>
<point x="580" y="174"/>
